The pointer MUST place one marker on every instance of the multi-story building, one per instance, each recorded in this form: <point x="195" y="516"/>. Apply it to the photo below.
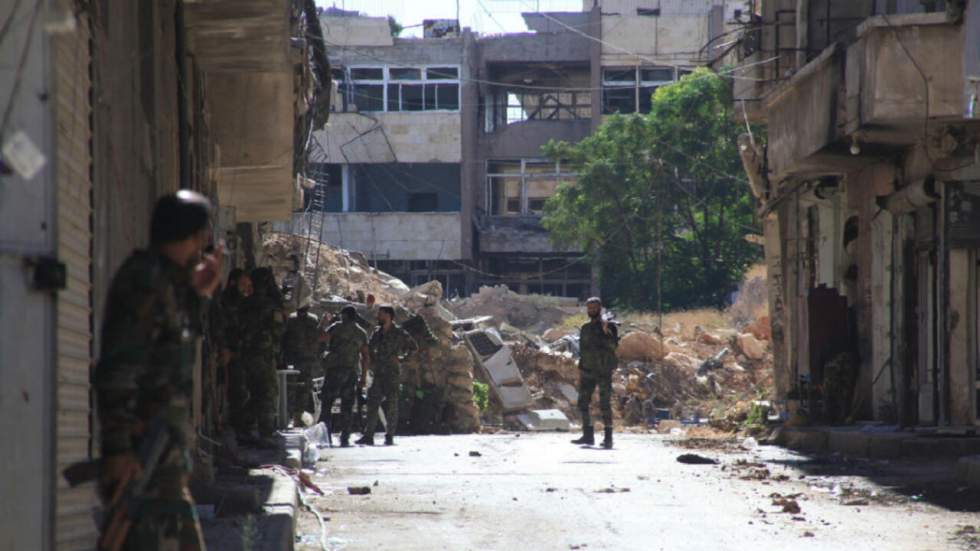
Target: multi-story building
<point x="868" y="189"/>
<point x="432" y="164"/>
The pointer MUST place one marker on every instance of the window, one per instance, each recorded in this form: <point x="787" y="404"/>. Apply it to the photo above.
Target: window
<point x="521" y="187"/>
<point x="630" y="89"/>
<point x="398" y="88"/>
<point x="423" y="202"/>
<point x="519" y="105"/>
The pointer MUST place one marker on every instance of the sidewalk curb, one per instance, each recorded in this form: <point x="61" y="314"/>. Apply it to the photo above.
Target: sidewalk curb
<point x="871" y="445"/>
<point x="968" y="470"/>
<point x="280" y="511"/>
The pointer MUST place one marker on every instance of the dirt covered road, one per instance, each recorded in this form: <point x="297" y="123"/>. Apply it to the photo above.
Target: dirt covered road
<point x="536" y="491"/>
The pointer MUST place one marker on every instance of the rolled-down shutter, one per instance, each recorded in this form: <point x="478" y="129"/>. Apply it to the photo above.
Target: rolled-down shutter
<point x="74" y="524"/>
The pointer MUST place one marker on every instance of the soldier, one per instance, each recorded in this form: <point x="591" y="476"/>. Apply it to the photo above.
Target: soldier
<point x="295" y="290"/>
<point x="389" y="344"/>
<point x="598" y="339"/>
<point x="262" y="324"/>
<point x="301" y="346"/>
<point x="346" y="351"/>
<point x="145" y="372"/>
<point x="232" y="300"/>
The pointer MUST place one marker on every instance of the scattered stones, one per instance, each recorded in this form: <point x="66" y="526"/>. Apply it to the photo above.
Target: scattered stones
<point x="475" y="454"/>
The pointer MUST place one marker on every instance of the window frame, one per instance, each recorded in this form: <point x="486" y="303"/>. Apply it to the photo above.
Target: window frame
<point x="559" y="174"/>
<point x="388" y="83"/>
<point x="637" y="84"/>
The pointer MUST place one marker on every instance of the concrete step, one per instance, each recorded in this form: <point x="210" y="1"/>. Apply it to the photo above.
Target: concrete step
<point x="853" y="442"/>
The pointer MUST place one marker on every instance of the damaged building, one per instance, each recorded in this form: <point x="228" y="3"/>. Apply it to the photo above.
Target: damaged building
<point x="432" y="164"/>
<point x="110" y="104"/>
<point x="868" y="186"/>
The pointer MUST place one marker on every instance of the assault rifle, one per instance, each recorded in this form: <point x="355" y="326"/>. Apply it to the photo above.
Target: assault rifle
<point x="127" y="497"/>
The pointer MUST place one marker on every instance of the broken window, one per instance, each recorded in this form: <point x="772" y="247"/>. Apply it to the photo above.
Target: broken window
<point x="401" y="89"/>
<point x="630" y="89"/>
<point x="519" y="105"/>
<point x="521" y="188"/>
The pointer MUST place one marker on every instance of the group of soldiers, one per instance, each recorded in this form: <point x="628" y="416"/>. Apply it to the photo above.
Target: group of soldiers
<point x="158" y="305"/>
<point x="261" y="336"/>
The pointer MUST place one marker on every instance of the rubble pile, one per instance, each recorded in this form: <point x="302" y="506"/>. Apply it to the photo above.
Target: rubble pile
<point x="704" y="366"/>
<point x="532" y="313"/>
<point x="341" y="273"/>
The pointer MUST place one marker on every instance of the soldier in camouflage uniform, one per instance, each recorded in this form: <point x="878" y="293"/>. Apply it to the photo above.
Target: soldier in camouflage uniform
<point x="300" y="348"/>
<point x="232" y="301"/>
<point x="346" y="353"/>
<point x="597" y="340"/>
<point x="262" y="324"/>
<point x="388" y="345"/>
<point x="145" y="371"/>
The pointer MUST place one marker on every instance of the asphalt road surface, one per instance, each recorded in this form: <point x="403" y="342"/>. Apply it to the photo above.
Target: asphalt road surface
<point x="539" y="492"/>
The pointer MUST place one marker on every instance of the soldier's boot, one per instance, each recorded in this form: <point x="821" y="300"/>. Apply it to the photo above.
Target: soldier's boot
<point x="366" y="440"/>
<point x="389" y="440"/>
<point x="344" y="440"/>
<point x="607" y="441"/>
<point x="588" y="436"/>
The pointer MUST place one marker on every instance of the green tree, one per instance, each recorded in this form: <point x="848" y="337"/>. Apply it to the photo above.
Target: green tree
<point x="662" y="194"/>
<point x="395" y="27"/>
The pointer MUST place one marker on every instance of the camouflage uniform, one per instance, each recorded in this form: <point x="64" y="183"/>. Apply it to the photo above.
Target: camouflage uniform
<point x="342" y="366"/>
<point x="596" y="366"/>
<point x="300" y="346"/>
<point x="262" y="324"/>
<point x="414" y="366"/>
<point x="231" y="308"/>
<point x="145" y="372"/>
<point x="387" y="348"/>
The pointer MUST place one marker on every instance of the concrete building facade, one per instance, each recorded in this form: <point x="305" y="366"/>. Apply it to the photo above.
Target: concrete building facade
<point x="432" y="163"/>
<point x="867" y="187"/>
<point x="110" y="104"/>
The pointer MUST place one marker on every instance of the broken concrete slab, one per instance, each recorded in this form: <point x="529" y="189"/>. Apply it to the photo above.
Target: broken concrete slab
<point x="545" y="420"/>
<point x="502" y="368"/>
<point x="513" y="398"/>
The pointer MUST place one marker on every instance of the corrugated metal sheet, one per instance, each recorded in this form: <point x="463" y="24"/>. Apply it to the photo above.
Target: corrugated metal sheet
<point x="74" y="526"/>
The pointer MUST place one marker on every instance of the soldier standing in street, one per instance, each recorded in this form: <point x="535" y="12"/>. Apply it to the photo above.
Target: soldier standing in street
<point x="388" y="345"/>
<point x="598" y="340"/>
<point x="301" y="347"/>
<point x="262" y="324"/>
<point x="145" y="372"/>
<point x="346" y="359"/>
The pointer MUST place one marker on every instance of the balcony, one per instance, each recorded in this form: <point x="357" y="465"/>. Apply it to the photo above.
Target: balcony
<point x="886" y="93"/>
<point x="516" y="234"/>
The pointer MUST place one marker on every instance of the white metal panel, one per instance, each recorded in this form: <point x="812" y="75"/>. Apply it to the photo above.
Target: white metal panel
<point x="74" y="526"/>
<point x="26" y="232"/>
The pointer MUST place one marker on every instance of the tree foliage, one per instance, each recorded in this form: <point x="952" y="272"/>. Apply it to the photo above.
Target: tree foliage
<point x="671" y="178"/>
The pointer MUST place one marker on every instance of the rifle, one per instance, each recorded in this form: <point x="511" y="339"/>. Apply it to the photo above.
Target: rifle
<point x="126" y="500"/>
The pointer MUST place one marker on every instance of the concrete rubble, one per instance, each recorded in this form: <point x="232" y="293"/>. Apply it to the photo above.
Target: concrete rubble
<point x="704" y="365"/>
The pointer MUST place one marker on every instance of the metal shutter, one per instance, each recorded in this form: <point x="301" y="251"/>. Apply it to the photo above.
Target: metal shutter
<point x="74" y="525"/>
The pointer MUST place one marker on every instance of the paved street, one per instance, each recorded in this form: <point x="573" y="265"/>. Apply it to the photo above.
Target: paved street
<point x="537" y="491"/>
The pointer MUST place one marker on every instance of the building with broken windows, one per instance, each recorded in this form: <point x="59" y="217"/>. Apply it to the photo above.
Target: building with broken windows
<point x="868" y="188"/>
<point x="432" y="165"/>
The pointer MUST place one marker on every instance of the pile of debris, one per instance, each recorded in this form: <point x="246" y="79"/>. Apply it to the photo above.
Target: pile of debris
<point x="703" y="366"/>
<point x="534" y="314"/>
<point x="341" y="274"/>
